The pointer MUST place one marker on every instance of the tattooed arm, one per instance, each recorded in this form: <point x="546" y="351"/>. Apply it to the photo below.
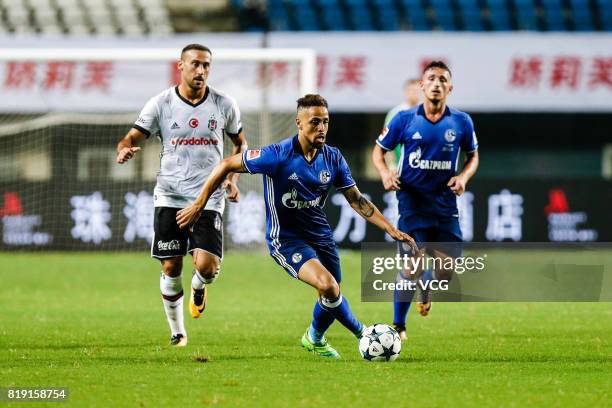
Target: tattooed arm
<point x="367" y="210"/>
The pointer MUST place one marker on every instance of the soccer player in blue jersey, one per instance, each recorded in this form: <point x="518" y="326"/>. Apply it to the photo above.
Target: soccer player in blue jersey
<point x="431" y="137"/>
<point x="297" y="174"/>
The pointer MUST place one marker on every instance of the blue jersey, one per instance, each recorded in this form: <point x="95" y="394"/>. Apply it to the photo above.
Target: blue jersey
<point x="295" y="189"/>
<point x="429" y="156"/>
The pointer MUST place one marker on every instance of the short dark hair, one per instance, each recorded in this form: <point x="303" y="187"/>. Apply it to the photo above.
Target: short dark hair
<point x="310" y="100"/>
<point x="437" y="64"/>
<point x="198" y="47"/>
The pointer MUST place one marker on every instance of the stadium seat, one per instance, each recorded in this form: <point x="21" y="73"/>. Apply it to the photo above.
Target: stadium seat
<point x="525" y="15"/>
<point x="360" y="19"/>
<point x="388" y="19"/>
<point x="18" y="16"/>
<point x="45" y="16"/>
<point x="324" y="4"/>
<point x="51" y="29"/>
<point x="605" y="14"/>
<point x="498" y="15"/>
<point x="553" y="15"/>
<point x="472" y="21"/>
<point x="279" y="18"/>
<point x="105" y="29"/>
<point x="333" y="19"/>
<point x="132" y="29"/>
<point x="444" y="16"/>
<point x="387" y="4"/>
<point x="301" y="4"/>
<point x="471" y="15"/>
<point x="357" y="4"/>
<point x="308" y="20"/>
<point x="416" y="15"/>
<point x="500" y="20"/>
<point x="80" y="29"/>
<point x="581" y="15"/>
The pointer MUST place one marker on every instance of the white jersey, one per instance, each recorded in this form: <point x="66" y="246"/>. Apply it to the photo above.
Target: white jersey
<point x="192" y="143"/>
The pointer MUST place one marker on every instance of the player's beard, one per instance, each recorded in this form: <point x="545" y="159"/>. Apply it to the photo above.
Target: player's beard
<point x="198" y="83"/>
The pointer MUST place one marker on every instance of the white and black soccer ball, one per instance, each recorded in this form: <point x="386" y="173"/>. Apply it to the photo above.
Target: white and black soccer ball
<point x="380" y="342"/>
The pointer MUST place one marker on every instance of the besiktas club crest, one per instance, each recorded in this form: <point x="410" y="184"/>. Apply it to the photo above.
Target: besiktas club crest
<point x="212" y="123"/>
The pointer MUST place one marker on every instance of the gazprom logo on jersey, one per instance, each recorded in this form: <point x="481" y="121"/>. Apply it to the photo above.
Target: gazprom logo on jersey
<point x="289" y="201"/>
<point x="415" y="161"/>
<point x="194" y="141"/>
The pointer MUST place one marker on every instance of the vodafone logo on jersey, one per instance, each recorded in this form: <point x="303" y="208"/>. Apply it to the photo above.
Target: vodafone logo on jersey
<point x="194" y="141"/>
<point x="193" y="122"/>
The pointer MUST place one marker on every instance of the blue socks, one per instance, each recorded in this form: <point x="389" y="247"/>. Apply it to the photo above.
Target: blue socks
<point x="339" y="308"/>
<point x="402" y="299"/>
<point x="401" y="303"/>
<point x="427" y="276"/>
<point x="321" y="320"/>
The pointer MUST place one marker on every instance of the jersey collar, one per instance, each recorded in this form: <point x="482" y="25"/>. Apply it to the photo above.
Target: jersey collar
<point x="193" y="105"/>
<point x="421" y="111"/>
<point x="297" y="149"/>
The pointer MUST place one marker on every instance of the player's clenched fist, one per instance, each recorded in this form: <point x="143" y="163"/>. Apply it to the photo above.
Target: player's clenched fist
<point x="457" y="185"/>
<point x="126" y="154"/>
<point x="232" y="191"/>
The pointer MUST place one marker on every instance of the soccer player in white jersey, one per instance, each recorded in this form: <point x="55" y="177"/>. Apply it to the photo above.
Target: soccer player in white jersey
<point x="189" y="119"/>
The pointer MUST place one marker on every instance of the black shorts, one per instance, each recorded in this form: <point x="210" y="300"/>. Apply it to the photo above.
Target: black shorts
<point x="170" y="241"/>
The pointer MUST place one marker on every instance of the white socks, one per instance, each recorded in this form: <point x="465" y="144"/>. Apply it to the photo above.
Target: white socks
<point x="198" y="281"/>
<point x="172" y="297"/>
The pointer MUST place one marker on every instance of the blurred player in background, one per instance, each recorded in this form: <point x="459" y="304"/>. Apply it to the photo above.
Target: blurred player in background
<point x="412" y="97"/>
<point x="190" y="120"/>
<point x="298" y="173"/>
<point x="431" y="137"/>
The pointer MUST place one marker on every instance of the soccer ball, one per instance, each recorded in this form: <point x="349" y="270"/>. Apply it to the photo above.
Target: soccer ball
<point x="380" y="342"/>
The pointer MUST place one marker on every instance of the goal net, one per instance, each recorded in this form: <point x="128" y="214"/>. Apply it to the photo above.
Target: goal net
<point x="63" y="112"/>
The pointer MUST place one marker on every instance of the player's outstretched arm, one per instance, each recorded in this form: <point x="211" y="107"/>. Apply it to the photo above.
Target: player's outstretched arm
<point x="390" y="178"/>
<point x="126" y="148"/>
<point x="239" y="145"/>
<point x="367" y="210"/>
<point x="188" y="215"/>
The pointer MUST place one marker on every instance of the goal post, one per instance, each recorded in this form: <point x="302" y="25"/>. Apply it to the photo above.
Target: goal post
<point x="60" y="188"/>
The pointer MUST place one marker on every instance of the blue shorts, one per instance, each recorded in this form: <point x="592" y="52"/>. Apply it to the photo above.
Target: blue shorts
<point x="292" y="254"/>
<point x="429" y="229"/>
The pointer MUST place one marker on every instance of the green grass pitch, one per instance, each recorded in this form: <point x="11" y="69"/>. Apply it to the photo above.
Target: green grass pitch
<point x="94" y="323"/>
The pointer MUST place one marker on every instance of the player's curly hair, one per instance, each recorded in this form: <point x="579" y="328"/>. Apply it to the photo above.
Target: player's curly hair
<point x="310" y="100"/>
<point x="437" y="64"/>
<point x="198" y="47"/>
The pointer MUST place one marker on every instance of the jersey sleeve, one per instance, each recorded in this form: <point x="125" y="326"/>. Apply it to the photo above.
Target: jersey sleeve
<point x="469" y="142"/>
<point x="391" y="135"/>
<point x="261" y="161"/>
<point x="148" y="120"/>
<point x="233" y="125"/>
<point x="343" y="178"/>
